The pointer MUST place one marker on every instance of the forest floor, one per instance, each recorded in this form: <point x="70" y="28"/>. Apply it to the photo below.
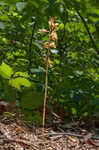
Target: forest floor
<point x="16" y="135"/>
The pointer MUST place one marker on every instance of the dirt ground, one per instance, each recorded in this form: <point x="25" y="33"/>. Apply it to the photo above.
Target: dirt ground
<point x="16" y="135"/>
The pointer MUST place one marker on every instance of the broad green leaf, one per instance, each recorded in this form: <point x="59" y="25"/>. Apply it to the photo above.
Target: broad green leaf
<point x="18" y="82"/>
<point x="35" y="4"/>
<point x="74" y="111"/>
<point x="31" y="99"/>
<point x="20" y="5"/>
<point x="40" y="69"/>
<point x="85" y="114"/>
<point x="21" y="74"/>
<point x="61" y="26"/>
<point x="5" y="71"/>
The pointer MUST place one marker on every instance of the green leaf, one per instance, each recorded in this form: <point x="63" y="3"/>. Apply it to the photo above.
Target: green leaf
<point x="85" y="114"/>
<point x="5" y="71"/>
<point x="34" y="70"/>
<point x="31" y="117"/>
<point x="74" y="111"/>
<point x="21" y="74"/>
<point x="61" y="26"/>
<point x="18" y="82"/>
<point x="20" y="5"/>
<point x="2" y="26"/>
<point x="31" y="99"/>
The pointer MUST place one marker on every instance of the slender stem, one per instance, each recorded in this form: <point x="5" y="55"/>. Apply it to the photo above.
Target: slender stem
<point x="86" y="26"/>
<point x="46" y="87"/>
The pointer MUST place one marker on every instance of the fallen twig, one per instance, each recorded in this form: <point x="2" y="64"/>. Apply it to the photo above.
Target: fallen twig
<point x="21" y="142"/>
<point x="71" y="134"/>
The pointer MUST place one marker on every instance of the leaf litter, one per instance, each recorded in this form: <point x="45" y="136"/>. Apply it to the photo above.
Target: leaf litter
<point x="16" y="135"/>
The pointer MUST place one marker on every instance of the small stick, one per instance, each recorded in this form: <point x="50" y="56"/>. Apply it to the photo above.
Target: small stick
<point x="71" y="134"/>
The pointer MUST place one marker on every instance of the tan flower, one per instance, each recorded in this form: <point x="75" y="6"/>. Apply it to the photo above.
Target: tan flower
<point x="43" y="31"/>
<point x="45" y="45"/>
<point x="52" y="45"/>
<point x="56" y="26"/>
<point x="49" y="64"/>
<point x="51" y="22"/>
<point x="53" y="36"/>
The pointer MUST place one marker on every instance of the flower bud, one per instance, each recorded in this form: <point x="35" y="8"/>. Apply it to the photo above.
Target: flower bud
<point x="52" y="45"/>
<point x="43" y="31"/>
<point x="45" y="45"/>
<point x="53" y="36"/>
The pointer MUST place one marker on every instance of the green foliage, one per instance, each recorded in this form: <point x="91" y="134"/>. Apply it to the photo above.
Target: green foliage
<point x="74" y="75"/>
<point x="31" y="99"/>
<point x="31" y="117"/>
<point x="5" y="71"/>
<point x="18" y="82"/>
